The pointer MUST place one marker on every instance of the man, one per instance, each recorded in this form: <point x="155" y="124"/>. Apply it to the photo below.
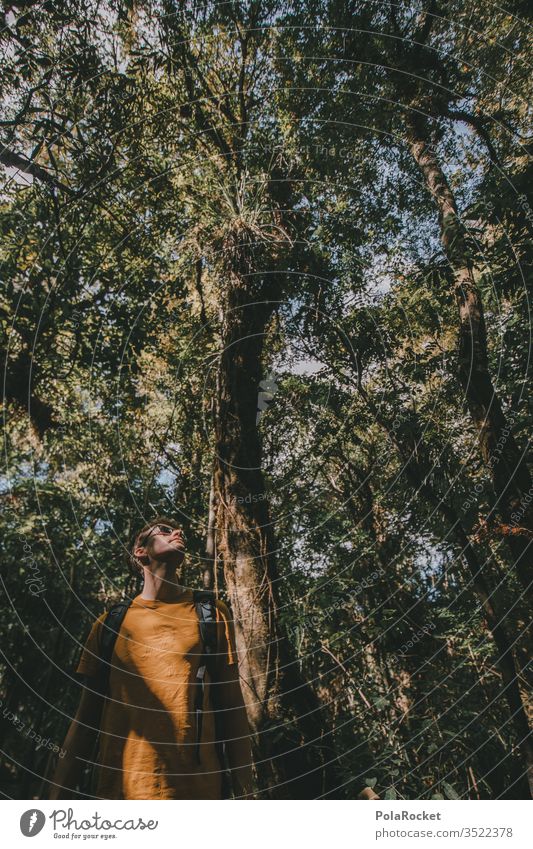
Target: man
<point x="148" y="743"/>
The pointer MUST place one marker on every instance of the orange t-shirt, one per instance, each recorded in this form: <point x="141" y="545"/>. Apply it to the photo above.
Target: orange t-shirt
<point x="148" y="736"/>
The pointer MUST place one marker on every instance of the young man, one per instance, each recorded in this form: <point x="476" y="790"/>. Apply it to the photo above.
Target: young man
<point x="149" y="746"/>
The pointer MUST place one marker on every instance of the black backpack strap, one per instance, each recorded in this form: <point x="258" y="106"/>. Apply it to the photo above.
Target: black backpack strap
<point x="108" y="637"/>
<point x="204" y="602"/>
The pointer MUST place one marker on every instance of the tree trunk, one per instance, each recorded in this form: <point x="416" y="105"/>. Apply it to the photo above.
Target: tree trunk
<point x="511" y="480"/>
<point x="293" y="757"/>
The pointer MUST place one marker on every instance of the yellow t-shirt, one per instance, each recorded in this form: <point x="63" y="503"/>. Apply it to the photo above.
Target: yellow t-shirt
<point x="148" y="734"/>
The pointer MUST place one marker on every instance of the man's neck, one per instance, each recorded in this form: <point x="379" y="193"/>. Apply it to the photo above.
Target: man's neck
<point x="161" y="584"/>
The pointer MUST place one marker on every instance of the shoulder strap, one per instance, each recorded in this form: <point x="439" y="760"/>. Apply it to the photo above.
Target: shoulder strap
<point x="204" y="602"/>
<point x="110" y="628"/>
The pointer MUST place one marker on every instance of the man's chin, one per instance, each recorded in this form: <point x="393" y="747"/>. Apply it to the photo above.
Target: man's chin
<point x="174" y="555"/>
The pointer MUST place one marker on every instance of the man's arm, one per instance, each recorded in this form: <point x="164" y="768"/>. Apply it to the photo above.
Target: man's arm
<point x="78" y="745"/>
<point x="236" y="732"/>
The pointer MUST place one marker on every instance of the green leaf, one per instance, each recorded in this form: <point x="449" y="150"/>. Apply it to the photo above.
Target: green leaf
<point x="390" y="793"/>
<point x="371" y="782"/>
<point x="437" y="796"/>
<point x="449" y="791"/>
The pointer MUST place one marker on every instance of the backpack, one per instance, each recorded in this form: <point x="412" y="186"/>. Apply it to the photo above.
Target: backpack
<point x="204" y="602"/>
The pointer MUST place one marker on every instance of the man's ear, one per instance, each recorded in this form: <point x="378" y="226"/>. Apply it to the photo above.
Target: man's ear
<point x="141" y="555"/>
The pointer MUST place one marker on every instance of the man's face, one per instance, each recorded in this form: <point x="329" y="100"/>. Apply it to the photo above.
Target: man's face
<point x="162" y="543"/>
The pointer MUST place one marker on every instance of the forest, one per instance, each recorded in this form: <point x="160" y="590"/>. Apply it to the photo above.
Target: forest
<point x="266" y="269"/>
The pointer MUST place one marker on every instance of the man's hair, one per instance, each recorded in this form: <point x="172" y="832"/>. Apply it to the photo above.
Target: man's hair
<point x="134" y="565"/>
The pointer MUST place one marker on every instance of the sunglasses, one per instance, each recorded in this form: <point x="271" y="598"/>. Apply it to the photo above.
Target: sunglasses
<point x="165" y="530"/>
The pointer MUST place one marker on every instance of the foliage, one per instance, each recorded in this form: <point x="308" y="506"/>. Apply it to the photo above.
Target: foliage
<point x="137" y="139"/>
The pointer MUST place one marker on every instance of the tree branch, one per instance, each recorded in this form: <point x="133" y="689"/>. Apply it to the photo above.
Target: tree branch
<point x="479" y="126"/>
<point x="15" y="160"/>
